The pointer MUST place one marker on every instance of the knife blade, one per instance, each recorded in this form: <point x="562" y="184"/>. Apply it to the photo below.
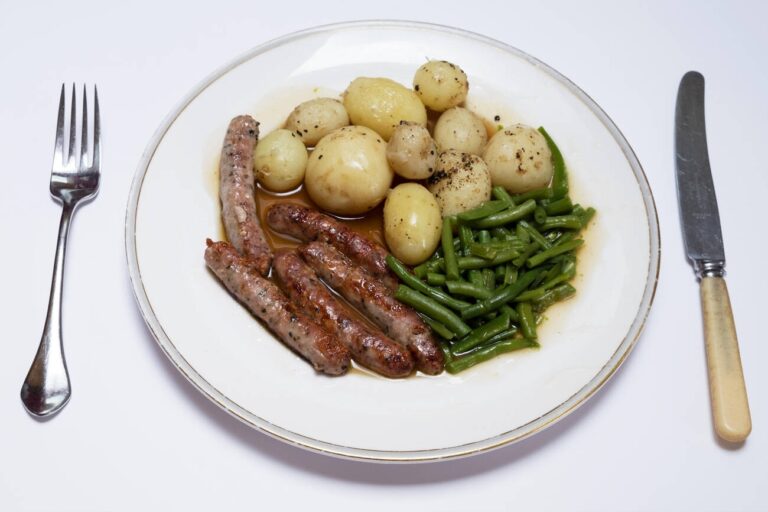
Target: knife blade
<point x="703" y="238"/>
<point x="699" y="214"/>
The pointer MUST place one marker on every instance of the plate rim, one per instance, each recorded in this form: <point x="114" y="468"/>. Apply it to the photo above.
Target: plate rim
<point x="430" y="455"/>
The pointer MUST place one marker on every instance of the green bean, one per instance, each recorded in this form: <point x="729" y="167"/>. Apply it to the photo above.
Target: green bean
<point x="410" y="280"/>
<point x="484" y="251"/>
<point x="468" y="289"/>
<point x="530" y="295"/>
<point x="535" y="235"/>
<point x="587" y="216"/>
<point x="446" y="350"/>
<point x="489" y="278"/>
<point x="482" y="333"/>
<point x="476" y="277"/>
<point x="502" y="234"/>
<point x="522" y="234"/>
<point x="488" y="352"/>
<point x="482" y="211"/>
<point x="432" y="309"/>
<point x="513" y="316"/>
<point x="475" y="262"/>
<point x="483" y="236"/>
<point x="439" y="328"/>
<point x="466" y="237"/>
<point x="527" y="252"/>
<point x="507" y="333"/>
<point x="539" y="214"/>
<point x="510" y="274"/>
<point x="561" y="222"/>
<point x="449" y="255"/>
<point x="498" y="273"/>
<point x="578" y="210"/>
<point x="500" y="297"/>
<point x="543" y="256"/>
<point x="564" y="237"/>
<point x="560" y="175"/>
<point x="527" y="322"/>
<point x="506" y="216"/>
<point x="420" y="271"/>
<point x="562" y="292"/>
<point x="559" y="207"/>
<point x="501" y="194"/>
<point x="435" y="279"/>
<point x="539" y="193"/>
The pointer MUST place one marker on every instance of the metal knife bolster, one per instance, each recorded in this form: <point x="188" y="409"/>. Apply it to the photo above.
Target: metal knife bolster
<point x="708" y="268"/>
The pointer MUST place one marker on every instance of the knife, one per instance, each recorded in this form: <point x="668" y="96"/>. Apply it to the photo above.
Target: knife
<point x="704" y="246"/>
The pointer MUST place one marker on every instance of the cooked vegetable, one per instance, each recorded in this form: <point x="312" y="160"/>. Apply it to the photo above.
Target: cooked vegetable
<point x="559" y="178"/>
<point x="280" y="160"/>
<point x="412" y="223"/>
<point x="481" y="334"/>
<point x="314" y="119"/>
<point x="432" y="309"/>
<point x="486" y="352"/>
<point x="461" y="130"/>
<point x="347" y="173"/>
<point x="519" y="159"/>
<point x="441" y="85"/>
<point x="381" y="104"/>
<point x="462" y="182"/>
<point x="411" y="152"/>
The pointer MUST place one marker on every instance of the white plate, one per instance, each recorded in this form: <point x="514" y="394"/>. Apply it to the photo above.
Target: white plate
<point x="229" y="356"/>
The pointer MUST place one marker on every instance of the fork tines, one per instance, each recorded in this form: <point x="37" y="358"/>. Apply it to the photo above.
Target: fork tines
<point x="66" y="162"/>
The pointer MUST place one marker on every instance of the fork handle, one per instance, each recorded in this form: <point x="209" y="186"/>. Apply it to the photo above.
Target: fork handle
<point x="47" y="389"/>
<point x="728" y="393"/>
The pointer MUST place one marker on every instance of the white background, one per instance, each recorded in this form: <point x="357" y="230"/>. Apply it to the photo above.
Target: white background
<point x="137" y="436"/>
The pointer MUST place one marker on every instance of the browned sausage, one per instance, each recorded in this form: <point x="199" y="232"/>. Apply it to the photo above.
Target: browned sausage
<point x="236" y="190"/>
<point x="371" y="349"/>
<point x="374" y="299"/>
<point x="308" y="225"/>
<point x="265" y="300"/>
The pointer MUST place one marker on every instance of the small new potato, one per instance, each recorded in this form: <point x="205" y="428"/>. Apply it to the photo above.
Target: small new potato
<point x="519" y="159"/>
<point x="347" y="173"/>
<point x="279" y="161"/>
<point x="381" y="103"/>
<point x="412" y="223"/>
<point x="411" y="152"/>
<point x="441" y="85"/>
<point x="314" y="119"/>
<point x="462" y="181"/>
<point x="459" y="129"/>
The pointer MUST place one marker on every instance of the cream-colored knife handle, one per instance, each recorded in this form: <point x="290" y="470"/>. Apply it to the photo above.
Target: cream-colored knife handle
<point x="730" y="408"/>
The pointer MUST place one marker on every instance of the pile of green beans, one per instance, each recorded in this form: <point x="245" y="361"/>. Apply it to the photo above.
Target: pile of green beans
<point x="498" y="268"/>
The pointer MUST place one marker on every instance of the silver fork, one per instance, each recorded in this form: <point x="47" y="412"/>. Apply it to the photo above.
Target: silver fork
<point x="46" y="389"/>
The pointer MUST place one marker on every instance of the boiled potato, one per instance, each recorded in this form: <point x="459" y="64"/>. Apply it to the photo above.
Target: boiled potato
<point x="441" y="85"/>
<point x="459" y="129"/>
<point x="519" y="159"/>
<point x="412" y="223"/>
<point x="381" y="103"/>
<point x="314" y="119"/>
<point x="279" y="161"/>
<point x="462" y="181"/>
<point x="347" y="173"/>
<point x="411" y="152"/>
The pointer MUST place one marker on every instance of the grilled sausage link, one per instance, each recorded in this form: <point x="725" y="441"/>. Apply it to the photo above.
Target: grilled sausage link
<point x="370" y="296"/>
<point x="265" y="300"/>
<point x="236" y="190"/>
<point x="309" y="225"/>
<point x="371" y="349"/>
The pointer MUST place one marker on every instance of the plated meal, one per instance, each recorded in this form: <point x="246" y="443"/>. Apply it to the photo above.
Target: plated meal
<point x="475" y="234"/>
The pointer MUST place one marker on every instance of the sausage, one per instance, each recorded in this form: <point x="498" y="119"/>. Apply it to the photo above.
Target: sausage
<point x="371" y="349"/>
<point x="309" y="225"/>
<point x="236" y="190"/>
<point x="265" y="300"/>
<point x="370" y="296"/>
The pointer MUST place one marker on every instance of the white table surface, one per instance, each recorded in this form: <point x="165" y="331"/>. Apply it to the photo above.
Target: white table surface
<point x="137" y="436"/>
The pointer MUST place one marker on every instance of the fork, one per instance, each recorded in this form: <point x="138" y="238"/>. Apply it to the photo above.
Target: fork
<point x="47" y="389"/>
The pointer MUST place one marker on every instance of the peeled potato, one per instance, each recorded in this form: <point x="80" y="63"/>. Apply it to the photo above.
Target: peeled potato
<point x="279" y="161"/>
<point x="412" y="223"/>
<point x="347" y="173"/>
<point x="441" y="85"/>
<point x="411" y="152"/>
<point x="519" y="159"/>
<point x="314" y="119"/>
<point x="381" y="103"/>
<point x="462" y="181"/>
<point x="459" y="129"/>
